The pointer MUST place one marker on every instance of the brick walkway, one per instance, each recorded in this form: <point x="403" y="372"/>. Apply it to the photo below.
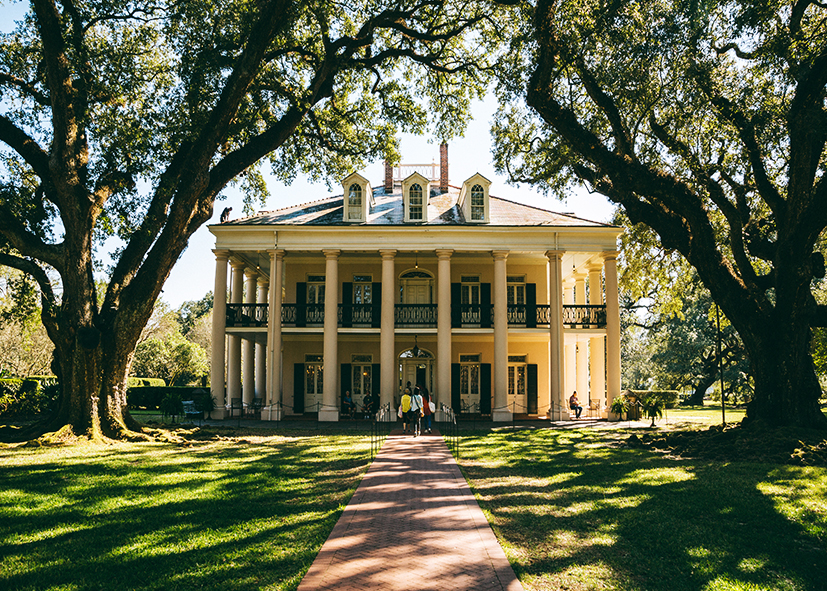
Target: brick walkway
<point x="413" y="524"/>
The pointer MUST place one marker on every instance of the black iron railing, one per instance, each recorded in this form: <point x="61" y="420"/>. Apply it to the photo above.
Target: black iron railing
<point x="415" y="314"/>
<point x="247" y="314"/>
<point x="584" y="316"/>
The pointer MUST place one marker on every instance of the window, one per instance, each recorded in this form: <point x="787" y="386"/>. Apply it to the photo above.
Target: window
<point x="415" y="202"/>
<point x="469" y="382"/>
<point x="315" y="299"/>
<point x="362" y="299"/>
<point x="470" y="299"/>
<point x="515" y="298"/>
<point x="477" y="203"/>
<point x="354" y="202"/>
<point x="517" y="383"/>
<point x="362" y="375"/>
<point x="314" y="382"/>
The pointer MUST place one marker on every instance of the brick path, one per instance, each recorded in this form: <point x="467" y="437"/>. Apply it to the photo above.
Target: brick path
<point x="413" y="524"/>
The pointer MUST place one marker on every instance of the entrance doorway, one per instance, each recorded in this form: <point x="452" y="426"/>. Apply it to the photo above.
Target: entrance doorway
<point x="416" y="369"/>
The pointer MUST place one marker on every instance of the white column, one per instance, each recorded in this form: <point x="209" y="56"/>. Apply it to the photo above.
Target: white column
<point x="248" y="349"/>
<point x="582" y="382"/>
<point x="330" y="394"/>
<point x="500" y="410"/>
<point x="570" y="379"/>
<point x="274" y="337"/>
<point x="555" y="314"/>
<point x="219" y="327"/>
<point x="612" y="327"/>
<point x="261" y="348"/>
<point x="443" y="328"/>
<point x="597" y="363"/>
<point x="234" y="354"/>
<point x="387" y="348"/>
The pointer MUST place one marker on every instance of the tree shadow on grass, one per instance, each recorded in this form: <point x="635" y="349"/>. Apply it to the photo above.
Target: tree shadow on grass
<point x="576" y="512"/>
<point x="217" y="516"/>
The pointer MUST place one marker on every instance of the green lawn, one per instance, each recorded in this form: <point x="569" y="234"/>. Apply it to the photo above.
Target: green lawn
<point x="575" y="510"/>
<point x="248" y="512"/>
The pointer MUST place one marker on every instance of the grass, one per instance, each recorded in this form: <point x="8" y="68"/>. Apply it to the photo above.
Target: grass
<point x="578" y="510"/>
<point x="245" y="511"/>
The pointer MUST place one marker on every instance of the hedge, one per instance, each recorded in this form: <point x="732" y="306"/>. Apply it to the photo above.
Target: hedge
<point x="669" y="397"/>
<point x="22" y="397"/>
<point x="150" y="397"/>
<point x="136" y="382"/>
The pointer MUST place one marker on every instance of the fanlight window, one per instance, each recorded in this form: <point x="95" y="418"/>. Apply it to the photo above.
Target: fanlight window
<point x="415" y="202"/>
<point x="354" y="202"/>
<point x="477" y="203"/>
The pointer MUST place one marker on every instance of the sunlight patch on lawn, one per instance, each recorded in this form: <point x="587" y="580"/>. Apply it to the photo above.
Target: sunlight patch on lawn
<point x="657" y="476"/>
<point x="800" y="495"/>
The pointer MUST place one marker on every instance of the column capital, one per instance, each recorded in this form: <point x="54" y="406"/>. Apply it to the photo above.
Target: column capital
<point x="237" y="265"/>
<point x="221" y="254"/>
<point x="595" y="267"/>
<point x="331" y="253"/>
<point x="251" y="273"/>
<point x="610" y="255"/>
<point x="276" y="253"/>
<point x="263" y="281"/>
<point x="387" y="253"/>
<point x="444" y="253"/>
<point x="500" y="255"/>
<point x="555" y="255"/>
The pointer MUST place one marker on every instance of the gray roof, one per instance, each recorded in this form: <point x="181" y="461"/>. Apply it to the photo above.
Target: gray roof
<point x="387" y="210"/>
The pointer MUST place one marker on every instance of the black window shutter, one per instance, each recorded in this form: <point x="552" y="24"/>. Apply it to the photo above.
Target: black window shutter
<point x="456" y="402"/>
<point x="376" y="311"/>
<point x="346" y="382"/>
<point x="298" y="388"/>
<point x="456" y="305"/>
<point x="485" y="305"/>
<point x="531" y="305"/>
<point x="301" y="304"/>
<point x="347" y="304"/>
<point x="376" y="371"/>
<point x="531" y="388"/>
<point x="485" y="388"/>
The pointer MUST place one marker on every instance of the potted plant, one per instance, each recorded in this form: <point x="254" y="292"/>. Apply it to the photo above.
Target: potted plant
<point x="619" y="407"/>
<point x="653" y="408"/>
<point x="204" y="402"/>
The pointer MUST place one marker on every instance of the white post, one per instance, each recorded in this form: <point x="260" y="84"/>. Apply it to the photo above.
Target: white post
<point x="330" y="407"/>
<point x="443" y="328"/>
<point x="500" y="412"/>
<point x="249" y="347"/>
<point x="274" y="336"/>
<point x="261" y="348"/>
<point x="582" y="347"/>
<point x="555" y="315"/>
<point x="219" y="326"/>
<point x="597" y="363"/>
<point x="234" y="354"/>
<point x="570" y="379"/>
<point x="612" y="327"/>
<point x="387" y="355"/>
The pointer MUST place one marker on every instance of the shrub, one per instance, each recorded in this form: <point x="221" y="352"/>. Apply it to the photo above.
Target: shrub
<point x="150" y="397"/>
<point x="137" y="382"/>
<point x="25" y="397"/>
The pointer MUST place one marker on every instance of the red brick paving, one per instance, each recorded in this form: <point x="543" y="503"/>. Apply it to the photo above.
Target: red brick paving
<point x="413" y="523"/>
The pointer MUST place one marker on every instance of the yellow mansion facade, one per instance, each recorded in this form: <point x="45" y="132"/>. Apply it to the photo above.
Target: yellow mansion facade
<point x="498" y="308"/>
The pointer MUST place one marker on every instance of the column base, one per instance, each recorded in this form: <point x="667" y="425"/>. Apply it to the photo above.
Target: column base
<point x="272" y="413"/>
<point x="501" y="416"/>
<point x="329" y="416"/>
<point x="219" y="414"/>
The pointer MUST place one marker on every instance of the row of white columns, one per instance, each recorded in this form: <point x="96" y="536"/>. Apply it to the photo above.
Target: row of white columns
<point x="262" y="364"/>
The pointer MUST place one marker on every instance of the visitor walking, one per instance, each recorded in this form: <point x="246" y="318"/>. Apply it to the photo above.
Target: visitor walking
<point x="427" y="413"/>
<point x="405" y="408"/>
<point x="416" y="410"/>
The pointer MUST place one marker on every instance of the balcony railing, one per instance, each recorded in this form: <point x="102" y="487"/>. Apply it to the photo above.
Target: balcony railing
<point x="422" y="315"/>
<point x="415" y="314"/>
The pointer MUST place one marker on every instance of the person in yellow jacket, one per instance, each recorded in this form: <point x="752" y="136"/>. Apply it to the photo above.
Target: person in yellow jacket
<point x="406" y="408"/>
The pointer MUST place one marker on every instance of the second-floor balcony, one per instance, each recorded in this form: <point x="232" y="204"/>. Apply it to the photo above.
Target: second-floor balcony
<point x="416" y="315"/>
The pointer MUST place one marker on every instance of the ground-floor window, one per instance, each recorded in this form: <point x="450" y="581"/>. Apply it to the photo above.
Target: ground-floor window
<point x="362" y="376"/>
<point x="517" y="371"/>
<point x="469" y="382"/>
<point x="314" y="382"/>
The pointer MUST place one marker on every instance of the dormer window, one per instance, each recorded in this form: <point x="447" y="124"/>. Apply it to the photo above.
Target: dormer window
<point x="415" y="202"/>
<point x="354" y="202"/>
<point x="473" y="200"/>
<point x="415" y="192"/>
<point x="357" y="196"/>
<point x="477" y="203"/>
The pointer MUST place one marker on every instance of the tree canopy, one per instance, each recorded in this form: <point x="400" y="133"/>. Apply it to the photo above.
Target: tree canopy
<point x="126" y="119"/>
<point x="707" y="122"/>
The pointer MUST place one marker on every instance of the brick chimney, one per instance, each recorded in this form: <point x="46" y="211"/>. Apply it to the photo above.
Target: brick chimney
<point x="443" y="167"/>
<point x="388" y="177"/>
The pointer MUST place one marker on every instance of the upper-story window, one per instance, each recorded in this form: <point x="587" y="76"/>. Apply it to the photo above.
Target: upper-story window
<point x="358" y="196"/>
<point x="354" y="202"/>
<point x="477" y="203"/>
<point x="474" y="201"/>
<point x="415" y="202"/>
<point x="415" y="192"/>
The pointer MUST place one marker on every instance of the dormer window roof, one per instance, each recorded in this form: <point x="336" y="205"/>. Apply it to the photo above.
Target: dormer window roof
<point x="357" y="197"/>
<point x="474" y="200"/>
<point x="416" y="190"/>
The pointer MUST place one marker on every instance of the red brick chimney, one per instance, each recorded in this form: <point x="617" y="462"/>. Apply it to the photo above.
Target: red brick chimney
<point x="443" y="167"/>
<point x="388" y="177"/>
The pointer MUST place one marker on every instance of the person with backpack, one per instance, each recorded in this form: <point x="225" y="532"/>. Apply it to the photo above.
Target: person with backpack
<point x="405" y="408"/>
<point x="416" y="409"/>
<point x="427" y="413"/>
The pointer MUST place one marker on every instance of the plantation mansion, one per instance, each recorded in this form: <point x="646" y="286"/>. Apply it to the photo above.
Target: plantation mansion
<point x="497" y="308"/>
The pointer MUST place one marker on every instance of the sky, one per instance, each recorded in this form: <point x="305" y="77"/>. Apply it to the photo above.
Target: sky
<point x="192" y="276"/>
